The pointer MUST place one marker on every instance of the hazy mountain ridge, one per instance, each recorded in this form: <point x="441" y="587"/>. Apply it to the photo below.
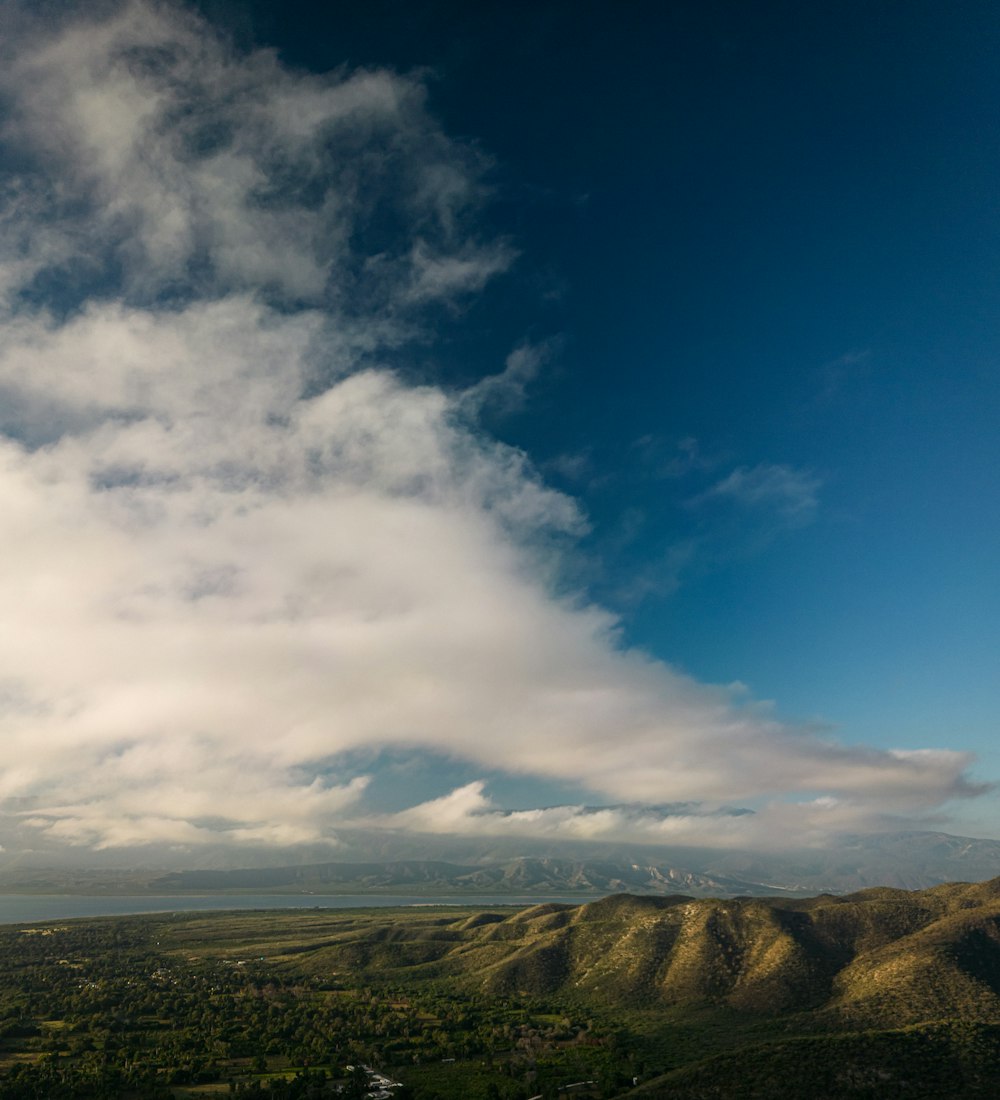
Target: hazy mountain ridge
<point x="904" y="860"/>
<point x="517" y="876"/>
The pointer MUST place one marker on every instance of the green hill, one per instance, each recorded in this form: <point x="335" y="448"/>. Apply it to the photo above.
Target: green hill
<point x="880" y="957"/>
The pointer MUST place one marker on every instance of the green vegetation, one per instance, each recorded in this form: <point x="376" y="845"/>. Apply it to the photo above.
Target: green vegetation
<point x="878" y="994"/>
<point x="188" y="1006"/>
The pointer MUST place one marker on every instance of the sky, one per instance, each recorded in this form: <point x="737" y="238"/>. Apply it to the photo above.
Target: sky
<point x="566" y="422"/>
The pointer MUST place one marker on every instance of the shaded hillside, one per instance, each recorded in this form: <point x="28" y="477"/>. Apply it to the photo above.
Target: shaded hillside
<point x="927" y="1063"/>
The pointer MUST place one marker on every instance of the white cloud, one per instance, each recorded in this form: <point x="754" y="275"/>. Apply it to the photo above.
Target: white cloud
<point x="813" y="822"/>
<point x="234" y="548"/>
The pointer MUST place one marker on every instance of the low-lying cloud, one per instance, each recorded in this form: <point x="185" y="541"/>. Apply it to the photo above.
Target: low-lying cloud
<point x="469" y="811"/>
<point x="238" y="545"/>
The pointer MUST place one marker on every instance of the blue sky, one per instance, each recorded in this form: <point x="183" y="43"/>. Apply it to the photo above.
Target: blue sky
<point x="770" y="235"/>
<point x="628" y="371"/>
<point x="773" y="233"/>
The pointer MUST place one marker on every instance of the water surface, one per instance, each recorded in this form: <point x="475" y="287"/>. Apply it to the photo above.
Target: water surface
<point x="18" y="908"/>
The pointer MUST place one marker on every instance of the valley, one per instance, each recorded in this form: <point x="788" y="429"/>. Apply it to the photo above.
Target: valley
<point x="879" y="993"/>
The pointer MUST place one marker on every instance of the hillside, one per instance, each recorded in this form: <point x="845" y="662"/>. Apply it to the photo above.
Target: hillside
<point x="881" y="957"/>
<point x="876" y="994"/>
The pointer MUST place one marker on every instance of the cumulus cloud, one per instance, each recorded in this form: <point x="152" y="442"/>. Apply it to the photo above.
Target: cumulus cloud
<point x="813" y="822"/>
<point x="237" y="545"/>
<point x="469" y="811"/>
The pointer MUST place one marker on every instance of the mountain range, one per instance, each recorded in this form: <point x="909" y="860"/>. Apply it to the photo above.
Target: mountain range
<point x="911" y="860"/>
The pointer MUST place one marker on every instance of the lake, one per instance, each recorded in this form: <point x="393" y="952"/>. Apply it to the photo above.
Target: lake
<point x="18" y="908"/>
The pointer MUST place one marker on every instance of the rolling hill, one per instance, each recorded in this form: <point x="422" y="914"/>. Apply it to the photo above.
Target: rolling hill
<point x="880" y="993"/>
<point x="881" y="957"/>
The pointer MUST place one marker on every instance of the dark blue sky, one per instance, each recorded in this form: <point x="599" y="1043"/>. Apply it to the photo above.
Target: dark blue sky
<point x="767" y="236"/>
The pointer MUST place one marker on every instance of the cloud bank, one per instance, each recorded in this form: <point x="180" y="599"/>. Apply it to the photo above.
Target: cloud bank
<point x="237" y="544"/>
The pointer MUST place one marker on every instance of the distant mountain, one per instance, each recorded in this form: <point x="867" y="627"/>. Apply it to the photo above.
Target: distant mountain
<point x="907" y="860"/>
<point x="516" y="876"/>
<point x="910" y="860"/>
<point x="902" y="860"/>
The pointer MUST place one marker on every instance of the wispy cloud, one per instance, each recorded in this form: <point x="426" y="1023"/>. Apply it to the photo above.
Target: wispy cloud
<point x="237" y="545"/>
<point x="674" y="460"/>
<point x="790" y="494"/>
<point x="833" y="379"/>
<point x="508" y="391"/>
